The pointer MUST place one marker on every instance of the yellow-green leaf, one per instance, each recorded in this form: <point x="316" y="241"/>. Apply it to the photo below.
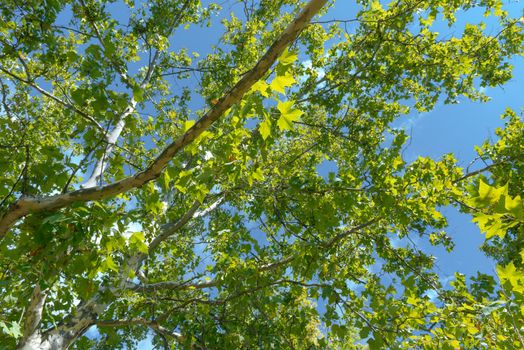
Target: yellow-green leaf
<point x="288" y="115"/>
<point x="280" y="82"/>
<point x="137" y="240"/>
<point x="490" y="194"/>
<point x="515" y="206"/>
<point x="510" y="273"/>
<point x="265" y="128"/>
<point x="287" y="58"/>
<point x="110" y="263"/>
<point x="261" y="87"/>
<point x="188" y="124"/>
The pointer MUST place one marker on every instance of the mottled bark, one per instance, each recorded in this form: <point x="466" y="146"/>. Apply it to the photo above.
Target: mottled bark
<point x="64" y="334"/>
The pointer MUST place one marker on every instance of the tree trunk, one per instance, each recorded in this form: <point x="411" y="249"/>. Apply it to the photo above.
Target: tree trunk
<point x="62" y="336"/>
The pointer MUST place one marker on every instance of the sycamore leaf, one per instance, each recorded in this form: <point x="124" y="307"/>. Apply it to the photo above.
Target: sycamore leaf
<point x="261" y="87"/>
<point x="490" y="194"/>
<point x="288" y="115"/>
<point x="511" y="274"/>
<point x="110" y="264"/>
<point x="490" y="224"/>
<point x="15" y="330"/>
<point x="137" y="240"/>
<point x="255" y="175"/>
<point x="166" y="180"/>
<point x="265" y="128"/>
<point x="138" y="93"/>
<point x="258" y="174"/>
<point x="181" y="188"/>
<point x="188" y="124"/>
<point x="515" y="206"/>
<point x="412" y="301"/>
<point x="455" y="344"/>
<point x="280" y="82"/>
<point x="287" y="58"/>
<point x="201" y="192"/>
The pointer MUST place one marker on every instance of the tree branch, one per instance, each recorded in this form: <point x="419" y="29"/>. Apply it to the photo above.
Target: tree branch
<point x="167" y="230"/>
<point x="53" y="97"/>
<point x="171" y="285"/>
<point x="25" y="205"/>
<point x="33" y="316"/>
<point x="476" y="172"/>
<point x="112" y="138"/>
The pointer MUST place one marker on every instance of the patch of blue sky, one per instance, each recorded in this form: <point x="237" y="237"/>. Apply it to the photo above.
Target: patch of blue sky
<point x="327" y="169"/>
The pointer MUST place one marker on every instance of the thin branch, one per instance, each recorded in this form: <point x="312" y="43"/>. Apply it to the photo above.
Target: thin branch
<point x="142" y="321"/>
<point x="53" y="97"/>
<point x="169" y="230"/>
<point x="476" y="172"/>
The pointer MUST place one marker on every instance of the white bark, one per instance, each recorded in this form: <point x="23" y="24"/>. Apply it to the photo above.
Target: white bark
<point x="111" y="140"/>
<point x="62" y="336"/>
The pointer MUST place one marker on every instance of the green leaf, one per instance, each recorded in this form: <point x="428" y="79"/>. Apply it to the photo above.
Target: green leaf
<point x="201" y="192"/>
<point x="280" y="82"/>
<point x="490" y="224"/>
<point x="77" y="96"/>
<point x="257" y="175"/>
<point x="138" y="93"/>
<point x="110" y="263"/>
<point x="288" y="115"/>
<point x="188" y="124"/>
<point x="137" y="240"/>
<point x="512" y="275"/>
<point x="515" y="206"/>
<point x="261" y="87"/>
<point x="375" y="5"/>
<point x="265" y="128"/>
<point x="15" y="330"/>
<point x="53" y="219"/>
<point x="490" y="195"/>
<point x="166" y="180"/>
<point x="287" y="57"/>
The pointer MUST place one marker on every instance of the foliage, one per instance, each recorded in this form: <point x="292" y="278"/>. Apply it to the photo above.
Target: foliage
<point x="149" y="190"/>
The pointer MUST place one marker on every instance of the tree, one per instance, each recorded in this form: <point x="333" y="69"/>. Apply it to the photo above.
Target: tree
<point x="149" y="190"/>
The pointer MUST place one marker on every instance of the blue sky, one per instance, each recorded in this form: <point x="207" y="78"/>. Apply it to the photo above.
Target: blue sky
<point x="457" y="129"/>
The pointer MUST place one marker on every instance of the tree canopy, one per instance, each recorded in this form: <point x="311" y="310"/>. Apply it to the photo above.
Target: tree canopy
<point x="151" y="191"/>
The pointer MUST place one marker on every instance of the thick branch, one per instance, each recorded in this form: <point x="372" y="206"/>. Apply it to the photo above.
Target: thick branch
<point x="113" y="136"/>
<point x="26" y="205"/>
<point x="111" y="140"/>
<point x="33" y="316"/>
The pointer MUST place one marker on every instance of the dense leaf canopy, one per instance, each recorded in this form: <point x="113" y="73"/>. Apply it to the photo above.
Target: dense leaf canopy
<point x="149" y="190"/>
